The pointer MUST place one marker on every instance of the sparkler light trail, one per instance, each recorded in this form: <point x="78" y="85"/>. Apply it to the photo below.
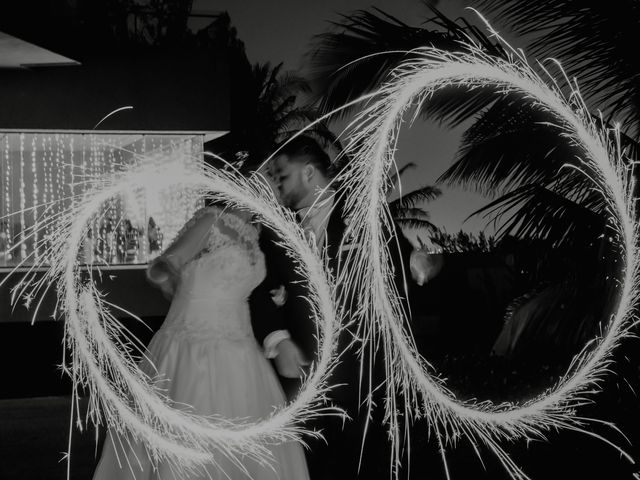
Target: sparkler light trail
<point x="372" y="147"/>
<point x="101" y="362"/>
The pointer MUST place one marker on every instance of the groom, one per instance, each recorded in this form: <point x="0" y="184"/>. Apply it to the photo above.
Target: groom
<point x="301" y="172"/>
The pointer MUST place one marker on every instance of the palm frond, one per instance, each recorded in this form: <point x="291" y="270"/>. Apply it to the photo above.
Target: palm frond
<point x="280" y="107"/>
<point x="537" y="213"/>
<point x="291" y="82"/>
<point x="508" y="146"/>
<point x="511" y="145"/>
<point x="416" y="223"/>
<point x="297" y="116"/>
<point x="271" y="113"/>
<point x="595" y="41"/>
<point x="427" y="193"/>
<point x="362" y="49"/>
<point x="398" y="210"/>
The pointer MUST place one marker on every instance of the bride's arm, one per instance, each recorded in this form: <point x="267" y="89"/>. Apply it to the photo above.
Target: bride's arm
<point x="162" y="273"/>
<point x="164" y="270"/>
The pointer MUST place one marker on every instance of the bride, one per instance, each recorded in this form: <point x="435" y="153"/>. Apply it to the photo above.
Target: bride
<point x="205" y="351"/>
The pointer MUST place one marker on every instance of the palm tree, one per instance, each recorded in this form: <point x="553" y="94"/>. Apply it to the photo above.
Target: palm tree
<point x="508" y="153"/>
<point x="278" y="115"/>
<point x="595" y="42"/>
<point x="267" y="114"/>
<point x="266" y="106"/>
<point x="356" y="56"/>
<point x="404" y="209"/>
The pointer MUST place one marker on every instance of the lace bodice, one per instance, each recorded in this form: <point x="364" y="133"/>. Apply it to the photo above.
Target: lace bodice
<point x="219" y="271"/>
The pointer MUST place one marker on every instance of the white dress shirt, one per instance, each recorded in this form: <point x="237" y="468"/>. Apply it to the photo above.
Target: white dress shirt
<point x="314" y="219"/>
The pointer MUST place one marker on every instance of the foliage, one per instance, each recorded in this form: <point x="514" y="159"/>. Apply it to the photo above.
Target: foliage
<point x="404" y="209"/>
<point x="152" y="22"/>
<point x="266" y="106"/>
<point x="276" y="114"/>
<point x="595" y="41"/>
<point x="460" y="242"/>
<point x="510" y="151"/>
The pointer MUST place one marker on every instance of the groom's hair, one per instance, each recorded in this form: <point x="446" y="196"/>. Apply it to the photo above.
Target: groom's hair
<point x="306" y="149"/>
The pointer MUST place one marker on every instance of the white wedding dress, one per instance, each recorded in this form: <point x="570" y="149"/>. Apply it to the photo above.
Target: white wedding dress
<point x="206" y="350"/>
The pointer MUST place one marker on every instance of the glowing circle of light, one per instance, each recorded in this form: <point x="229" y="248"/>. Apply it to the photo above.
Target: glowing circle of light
<point x="374" y="135"/>
<point x="129" y="402"/>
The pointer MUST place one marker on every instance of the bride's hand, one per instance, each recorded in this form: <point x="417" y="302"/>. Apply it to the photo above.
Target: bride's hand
<point x="290" y="360"/>
<point x="162" y="274"/>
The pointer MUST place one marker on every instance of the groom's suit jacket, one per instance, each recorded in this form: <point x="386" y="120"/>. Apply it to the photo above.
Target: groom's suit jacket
<point x="338" y="457"/>
<point x="295" y="315"/>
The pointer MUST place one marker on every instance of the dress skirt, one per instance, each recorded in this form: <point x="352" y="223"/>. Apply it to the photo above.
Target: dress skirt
<point x="221" y="376"/>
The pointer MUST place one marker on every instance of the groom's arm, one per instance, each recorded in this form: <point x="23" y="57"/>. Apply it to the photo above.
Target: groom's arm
<point x="281" y="333"/>
<point x="271" y="301"/>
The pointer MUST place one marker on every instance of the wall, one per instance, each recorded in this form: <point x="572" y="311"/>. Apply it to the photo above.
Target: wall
<point x="170" y="90"/>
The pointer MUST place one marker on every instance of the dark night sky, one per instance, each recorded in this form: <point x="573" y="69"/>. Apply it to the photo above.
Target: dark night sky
<point x="281" y="30"/>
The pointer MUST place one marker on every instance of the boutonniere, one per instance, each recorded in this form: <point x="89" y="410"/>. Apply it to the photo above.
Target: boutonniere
<point x="348" y="230"/>
<point x="279" y="295"/>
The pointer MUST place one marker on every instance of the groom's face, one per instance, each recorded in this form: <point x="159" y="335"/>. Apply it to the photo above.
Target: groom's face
<point x="291" y="181"/>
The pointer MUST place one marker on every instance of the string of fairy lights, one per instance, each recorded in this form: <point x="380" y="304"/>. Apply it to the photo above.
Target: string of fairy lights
<point x="5" y="232"/>
<point x="34" y="211"/>
<point x="48" y="194"/>
<point x="23" y="203"/>
<point x="42" y="172"/>
<point x="59" y="162"/>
